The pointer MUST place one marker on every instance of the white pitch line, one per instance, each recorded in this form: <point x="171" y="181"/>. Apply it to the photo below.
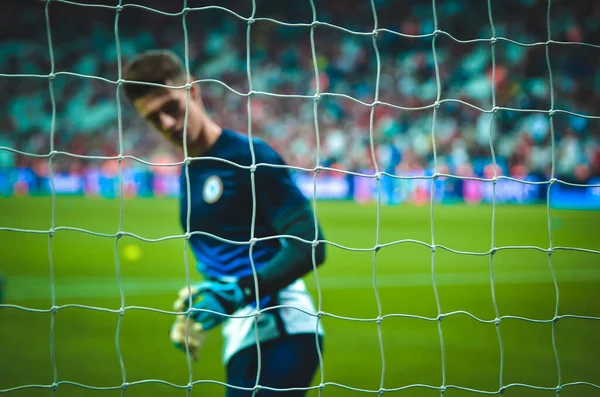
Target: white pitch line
<point x="21" y="288"/>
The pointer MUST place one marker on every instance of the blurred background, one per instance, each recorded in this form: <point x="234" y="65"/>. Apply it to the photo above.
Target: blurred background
<point x="281" y="63"/>
<point x="78" y="271"/>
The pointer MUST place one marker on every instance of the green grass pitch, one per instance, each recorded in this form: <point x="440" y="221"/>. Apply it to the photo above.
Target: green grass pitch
<point x="85" y="273"/>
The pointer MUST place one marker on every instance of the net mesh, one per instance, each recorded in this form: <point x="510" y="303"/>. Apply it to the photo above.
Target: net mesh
<point x="377" y="176"/>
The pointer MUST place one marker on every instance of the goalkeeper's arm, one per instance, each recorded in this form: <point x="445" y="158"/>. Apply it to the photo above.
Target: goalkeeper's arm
<point x="294" y="259"/>
<point x="280" y="200"/>
<point x="213" y="298"/>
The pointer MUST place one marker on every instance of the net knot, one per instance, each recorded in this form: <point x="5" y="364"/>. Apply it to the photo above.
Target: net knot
<point x="54" y="385"/>
<point x="551" y="112"/>
<point x="555" y="319"/>
<point x="253" y="241"/>
<point x="187" y="235"/>
<point x="54" y="309"/>
<point x="119" y="235"/>
<point x="186" y="11"/>
<point x="317" y="97"/>
<point x="253" y="168"/>
<point x="125" y="385"/>
<point x="502" y="390"/>
<point x="119" y="8"/>
<point x="318" y="169"/>
<point x="251" y="21"/>
<point x="377" y="247"/>
<point x="440" y="317"/>
<point x="51" y="76"/>
<point x="375" y="33"/>
<point x="493" y="250"/>
<point x="493" y="40"/>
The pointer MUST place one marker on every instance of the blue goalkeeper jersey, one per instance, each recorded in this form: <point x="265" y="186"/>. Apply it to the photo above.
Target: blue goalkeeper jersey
<point x="222" y="205"/>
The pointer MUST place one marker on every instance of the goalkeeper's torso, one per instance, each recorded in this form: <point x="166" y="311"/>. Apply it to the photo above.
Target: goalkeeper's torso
<point x="221" y="210"/>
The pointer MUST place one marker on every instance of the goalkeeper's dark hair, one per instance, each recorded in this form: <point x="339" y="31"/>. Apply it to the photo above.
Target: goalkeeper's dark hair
<point x="152" y="66"/>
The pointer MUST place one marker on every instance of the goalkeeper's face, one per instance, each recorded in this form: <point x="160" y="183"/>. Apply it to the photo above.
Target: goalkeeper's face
<point x="165" y="110"/>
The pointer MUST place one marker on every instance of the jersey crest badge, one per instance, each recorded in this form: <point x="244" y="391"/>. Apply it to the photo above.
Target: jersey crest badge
<point x="212" y="190"/>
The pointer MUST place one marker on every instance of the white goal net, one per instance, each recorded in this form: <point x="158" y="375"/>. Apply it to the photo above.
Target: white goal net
<point x="316" y="150"/>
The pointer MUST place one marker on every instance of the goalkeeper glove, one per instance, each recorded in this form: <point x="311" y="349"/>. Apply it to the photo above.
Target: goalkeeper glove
<point x="195" y="336"/>
<point x="212" y="301"/>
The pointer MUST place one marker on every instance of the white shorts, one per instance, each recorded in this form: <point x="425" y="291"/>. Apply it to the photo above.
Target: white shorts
<point x="239" y="333"/>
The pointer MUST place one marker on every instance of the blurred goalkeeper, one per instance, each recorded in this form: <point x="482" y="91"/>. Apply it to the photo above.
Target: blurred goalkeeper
<point x="222" y="205"/>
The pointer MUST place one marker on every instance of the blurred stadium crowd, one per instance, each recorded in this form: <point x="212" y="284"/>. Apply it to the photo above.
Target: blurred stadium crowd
<point x="86" y="118"/>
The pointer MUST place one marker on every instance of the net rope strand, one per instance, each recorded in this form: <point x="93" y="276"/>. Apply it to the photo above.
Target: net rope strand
<point x="253" y="239"/>
<point x="324" y="314"/>
<point x="314" y="198"/>
<point x="291" y="96"/>
<point x="548" y="206"/>
<point x="493" y="249"/>
<point x="318" y="168"/>
<point x="298" y="168"/>
<point x="278" y="236"/>
<point x="121" y="201"/>
<point x="326" y="384"/>
<point x="440" y="316"/>
<point x="54" y="307"/>
<point x="188" y="87"/>
<point x="378" y="184"/>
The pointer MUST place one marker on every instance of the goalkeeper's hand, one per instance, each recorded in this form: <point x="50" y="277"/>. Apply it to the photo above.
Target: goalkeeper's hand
<point x="211" y="302"/>
<point x="195" y="336"/>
